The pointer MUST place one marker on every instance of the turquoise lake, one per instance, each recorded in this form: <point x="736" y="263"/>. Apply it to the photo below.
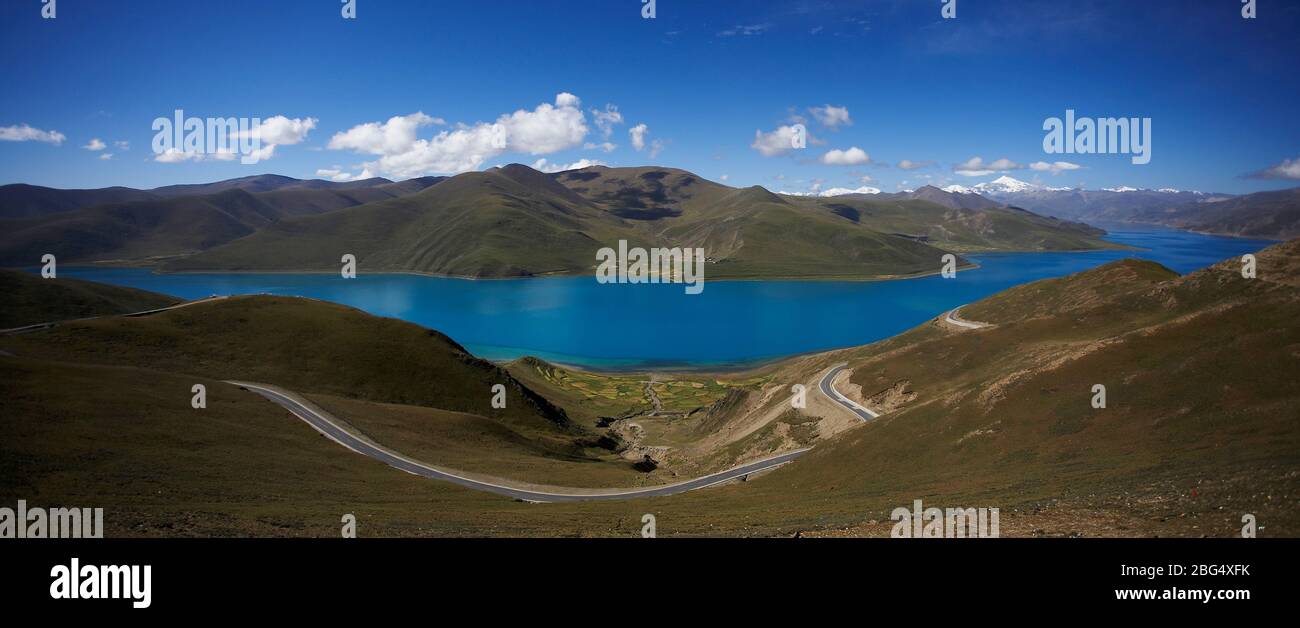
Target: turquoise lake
<point x="575" y="320"/>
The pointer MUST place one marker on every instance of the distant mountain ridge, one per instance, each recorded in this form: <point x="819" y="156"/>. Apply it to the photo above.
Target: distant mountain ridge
<point x="1273" y="215"/>
<point x="20" y="200"/>
<point x="144" y="225"/>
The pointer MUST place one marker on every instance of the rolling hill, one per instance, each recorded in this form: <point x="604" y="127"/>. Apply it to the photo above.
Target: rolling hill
<point x="1202" y="374"/>
<point x="306" y="345"/>
<point x="30" y="299"/>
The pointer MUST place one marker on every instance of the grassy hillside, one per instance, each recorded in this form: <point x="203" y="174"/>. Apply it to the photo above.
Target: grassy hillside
<point x="307" y="346"/>
<point x="27" y="299"/>
<point x="1002" y="416"/>
<point x="1201" y="426"/>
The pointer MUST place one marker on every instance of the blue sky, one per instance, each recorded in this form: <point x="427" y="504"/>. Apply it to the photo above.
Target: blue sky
<point x="703" y="77"/>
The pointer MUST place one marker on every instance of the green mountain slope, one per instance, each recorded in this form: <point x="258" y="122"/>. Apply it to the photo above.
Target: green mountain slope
<point x="1202" y="375"/>
<point x="515" y="221"/>
<point x="305" y="345"/>
<point x="28" y="299"/>
<point x="502" y="222"/>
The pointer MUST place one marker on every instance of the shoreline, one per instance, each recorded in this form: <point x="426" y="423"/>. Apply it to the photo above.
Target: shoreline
<point x="554" y="275"/>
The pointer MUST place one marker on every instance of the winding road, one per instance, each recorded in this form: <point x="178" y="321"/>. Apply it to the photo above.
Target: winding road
<point x="828" y="388"/>
<point x="953" y="319"/>
<point x="328" y="426"/>
<point x="862" y="412"/>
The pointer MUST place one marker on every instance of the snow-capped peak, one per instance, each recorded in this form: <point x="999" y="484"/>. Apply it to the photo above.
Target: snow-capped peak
<point x="1122" y="188"/>
<point x="958" y="189"/>
<point x="1004" y="185"/>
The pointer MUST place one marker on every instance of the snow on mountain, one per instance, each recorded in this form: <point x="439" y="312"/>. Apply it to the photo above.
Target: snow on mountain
<point x="1004" y="185"/>
<point x="958" y="189"/>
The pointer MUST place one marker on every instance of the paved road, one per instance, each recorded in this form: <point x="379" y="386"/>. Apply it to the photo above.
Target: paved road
<point x="828" y="389"/>
<point x="952" y="319"/>
<point x="326" y="425"/>
<point x="27" y="328"/>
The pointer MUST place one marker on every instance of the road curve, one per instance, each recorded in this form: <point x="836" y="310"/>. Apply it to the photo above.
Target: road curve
<point x="326" y="425"/>
<point x="828" y="388"/>
<point x="952" y="319"/>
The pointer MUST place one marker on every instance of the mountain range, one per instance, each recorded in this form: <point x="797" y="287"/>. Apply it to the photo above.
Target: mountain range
<point x="516" y="221"/>
<point x="1269" y="215"/>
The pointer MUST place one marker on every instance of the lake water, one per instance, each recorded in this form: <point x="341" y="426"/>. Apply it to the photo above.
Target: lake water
<point x="575" y="320"/>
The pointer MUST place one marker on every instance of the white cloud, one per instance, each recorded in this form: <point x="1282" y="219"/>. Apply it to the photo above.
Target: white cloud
<point x="775" y="143"/>
<point x="1288" y="169"/>
<point x="279" y="130"/>
<point x="638" y="133"/>
<point x="545" y="129"/>
<point x="25" y="133"/>
<point x="1056" y="167"/>
<point x="272" y="132"/>
<point x="606" y="120"/>
<point x="852" y="157"/>
<point x="605" y="146"/>
<point x="546" y="166"/>
<point x="392" y="137"/>
<point x="176" y="155"/>
<point x="831" y="116"/>
<point x="724" y="177"/>
<point x="95" y="144"/>
<point x="976" y="167"/>
<point x="815" y="190"/>
<point x="656" y="147"/>
<point x="908" y="164"/>
<point x="122" y="145"/>
<point x="106" y="156"/>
